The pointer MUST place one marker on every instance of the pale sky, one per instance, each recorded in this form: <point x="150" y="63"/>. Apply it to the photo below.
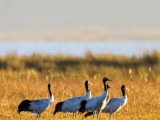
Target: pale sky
<point x="79" y="19"/>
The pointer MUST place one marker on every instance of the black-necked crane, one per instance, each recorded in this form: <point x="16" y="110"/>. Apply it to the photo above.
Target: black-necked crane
<point x="72" y="105"/>
<point x="96" y="104"/>
<point x="115" y="104"/>
<point x="36" y="106"/>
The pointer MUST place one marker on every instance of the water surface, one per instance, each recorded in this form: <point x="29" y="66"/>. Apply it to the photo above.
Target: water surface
<point x="77" y="48"/>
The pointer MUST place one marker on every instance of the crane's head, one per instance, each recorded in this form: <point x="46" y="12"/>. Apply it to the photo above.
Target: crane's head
<point x="50" y="85"/>
<point x="106" y="79"/>
<point x="88" y="83"/>
<point x="124" y="87"/>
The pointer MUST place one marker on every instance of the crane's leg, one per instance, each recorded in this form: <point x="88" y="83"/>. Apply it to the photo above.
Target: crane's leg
<point x="37" y="117"/>
<point x="113" y="114"/>
<point x="110" y="114"/>
<point x="98" y="112"/>
<point x="76" y="113"/>
<point x="93" y="113"/>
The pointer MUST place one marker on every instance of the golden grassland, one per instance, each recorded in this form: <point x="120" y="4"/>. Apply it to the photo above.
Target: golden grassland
<point x="27" y="78"/>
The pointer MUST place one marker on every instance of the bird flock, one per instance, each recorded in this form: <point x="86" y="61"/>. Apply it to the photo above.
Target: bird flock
<point x="92" y="106"/>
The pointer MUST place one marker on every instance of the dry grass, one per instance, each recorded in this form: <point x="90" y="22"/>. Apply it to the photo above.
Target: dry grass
<point x="27" y="78"/>
<point x="143" y="97"/>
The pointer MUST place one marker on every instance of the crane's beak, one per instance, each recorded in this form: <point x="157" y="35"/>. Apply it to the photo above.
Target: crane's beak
<point x="109" y="80"/>
<point x="90" y="83"/>
<point x="127" y="89"/>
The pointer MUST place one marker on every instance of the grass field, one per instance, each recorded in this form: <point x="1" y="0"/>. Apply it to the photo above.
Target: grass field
<point x="27" y="78"/>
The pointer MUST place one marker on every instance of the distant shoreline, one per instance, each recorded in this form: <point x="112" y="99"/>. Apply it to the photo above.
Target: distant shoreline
<point x="77" y="48"/>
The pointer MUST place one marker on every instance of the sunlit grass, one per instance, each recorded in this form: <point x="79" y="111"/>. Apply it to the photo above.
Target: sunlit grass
<point x="68" y="80"/>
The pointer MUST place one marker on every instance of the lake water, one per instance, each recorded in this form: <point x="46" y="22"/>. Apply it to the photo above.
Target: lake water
<point x="77" y="48"/>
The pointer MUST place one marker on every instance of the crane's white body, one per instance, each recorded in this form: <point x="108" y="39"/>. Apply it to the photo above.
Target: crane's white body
<point x="40" y="105"/>
<point x="36" y="106"/>
<point x="72" y="105"/>
<point x="97" y="103"/>
<point x="115" y="104"/>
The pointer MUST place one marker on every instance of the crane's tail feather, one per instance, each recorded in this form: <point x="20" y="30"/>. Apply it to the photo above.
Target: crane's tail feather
<point x="24" y="106"/>
<point x="82" y="106"/>
<point x="58" y="107"/>
<point x="88" y="114"/>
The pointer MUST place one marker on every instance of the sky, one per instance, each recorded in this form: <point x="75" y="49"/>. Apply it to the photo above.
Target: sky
<point x="79" y="20"/>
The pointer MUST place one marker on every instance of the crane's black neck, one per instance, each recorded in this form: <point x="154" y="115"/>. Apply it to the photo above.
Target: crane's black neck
<point x="49" y="89"/>
<point x="104" y="83"/>
<point x="105" y="87"/>
<point x="86" y="85"/>
<point x="123" y="91"/>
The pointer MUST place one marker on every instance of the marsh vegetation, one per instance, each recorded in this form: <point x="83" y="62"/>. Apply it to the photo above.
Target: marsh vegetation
<point x="27" y="77"/>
